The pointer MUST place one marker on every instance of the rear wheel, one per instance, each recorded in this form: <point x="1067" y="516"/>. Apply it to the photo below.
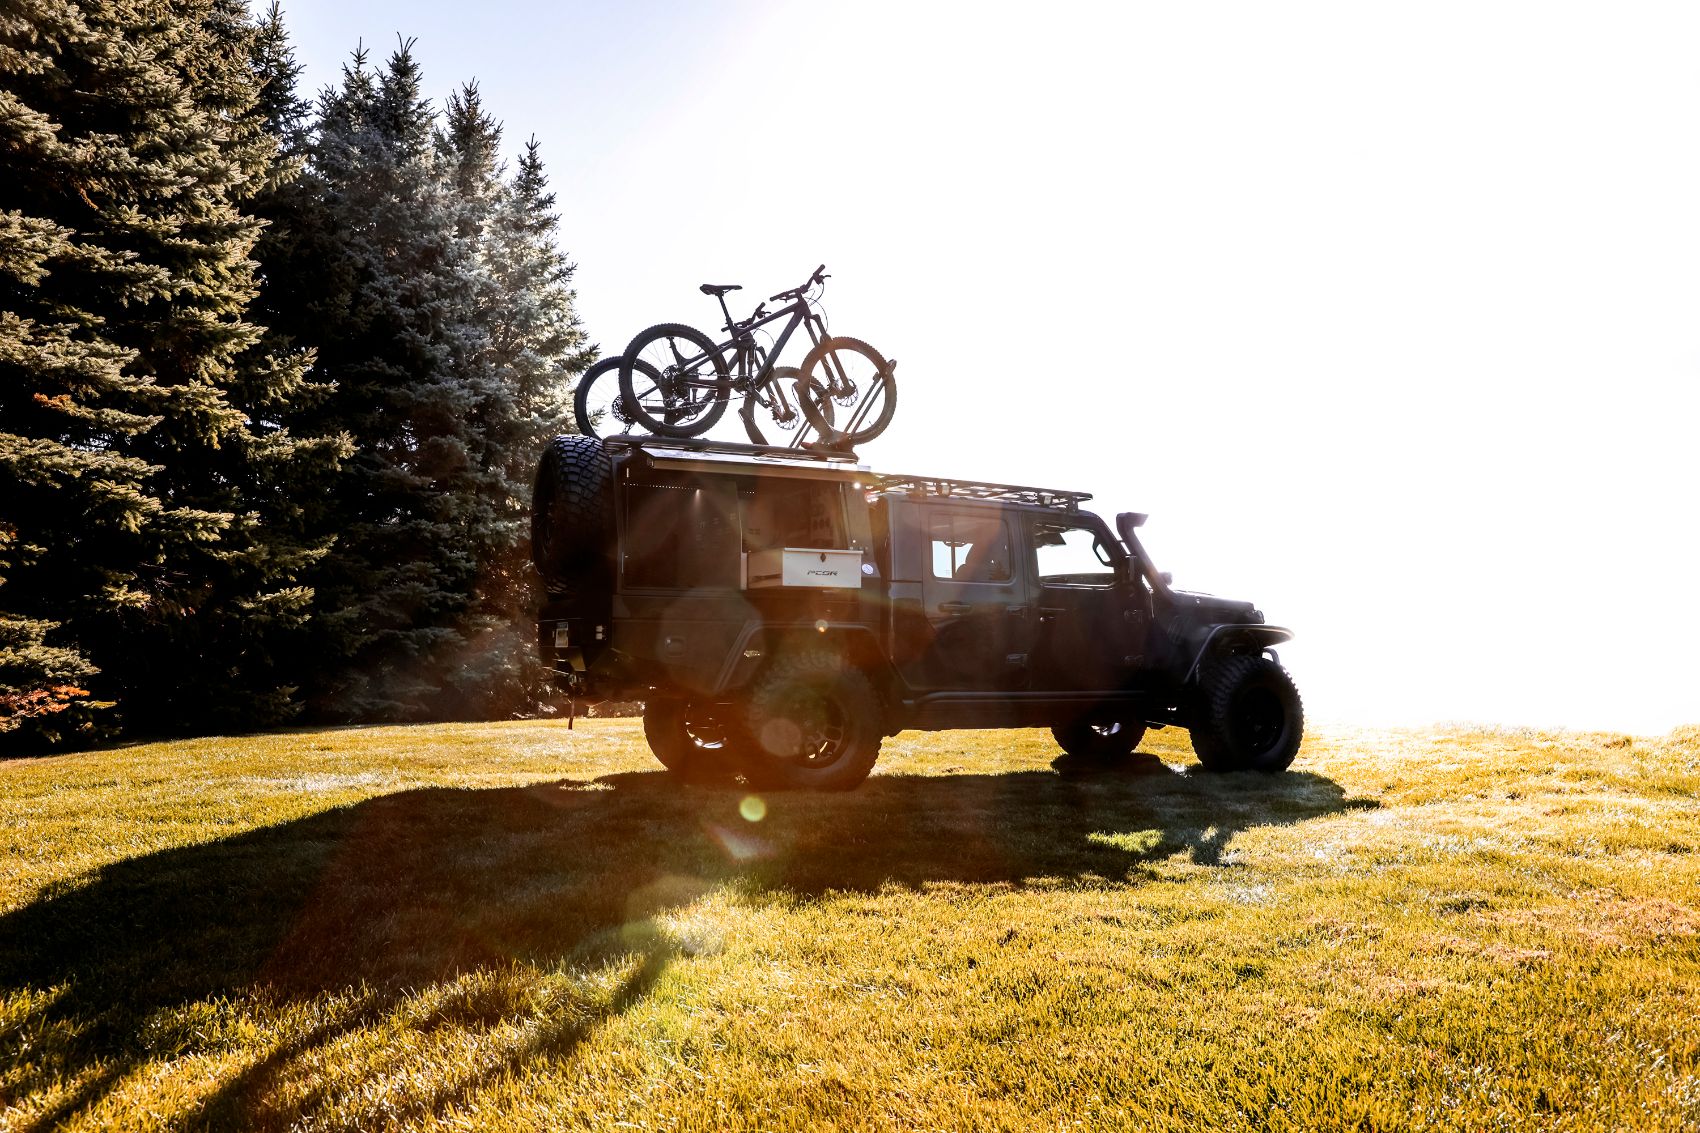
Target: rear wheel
<point x="675" y="381"/>
<point x="1251" y="717"/>
<point x="691" y="740"/>
<point x="859" y="379"/>
<point x="1099" y="739"/>
<point x="814" y="722"/>
<point x="598" y="405"/>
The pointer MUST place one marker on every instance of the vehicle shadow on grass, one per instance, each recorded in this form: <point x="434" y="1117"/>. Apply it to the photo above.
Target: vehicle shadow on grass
<point x="384" y="908"/>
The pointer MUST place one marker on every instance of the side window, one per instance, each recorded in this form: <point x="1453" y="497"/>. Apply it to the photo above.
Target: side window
<point x="681" y="535"/>
<point x="793" y="513"/>
<point x="1072" y="556"/>
<point x="970" y="548"/>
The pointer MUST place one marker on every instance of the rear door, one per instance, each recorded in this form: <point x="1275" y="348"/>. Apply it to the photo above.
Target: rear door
<point x="976" y="602"/>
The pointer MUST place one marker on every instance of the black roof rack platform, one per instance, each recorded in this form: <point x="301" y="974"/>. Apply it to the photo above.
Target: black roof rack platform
<point x="777" y="460"/>
<point x="977" y="490"/>
<point x="695" y="452"/>
<point x="813" y="452"/>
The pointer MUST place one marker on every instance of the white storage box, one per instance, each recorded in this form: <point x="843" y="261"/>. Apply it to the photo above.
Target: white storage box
<point x="802" y="566"/>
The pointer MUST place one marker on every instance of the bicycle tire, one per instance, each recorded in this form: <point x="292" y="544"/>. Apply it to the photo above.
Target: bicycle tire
<point x="780" y="373"/>
<point x="593" y="405"/>
<point x="674" y="413"/>
<point x="873" y="409"/>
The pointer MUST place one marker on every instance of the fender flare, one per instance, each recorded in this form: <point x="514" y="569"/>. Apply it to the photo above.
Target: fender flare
<point x="1232" y="634"/>
<point x="765" y="638"/>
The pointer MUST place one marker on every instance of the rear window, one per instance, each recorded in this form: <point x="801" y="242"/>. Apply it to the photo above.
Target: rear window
<point x="684" y="532"/>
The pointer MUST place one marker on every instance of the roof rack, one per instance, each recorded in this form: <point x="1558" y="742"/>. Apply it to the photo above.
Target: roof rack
<point x="681" y="452"/>
<point x="976" y="490"/>
<point x="813" y="460"/>
<point x="814" y="452"/>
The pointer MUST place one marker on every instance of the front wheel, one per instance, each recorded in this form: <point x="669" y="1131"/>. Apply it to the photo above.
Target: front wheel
<point x="1250" y="716"/>
<point x="859" y="379"/>
<point x="674" y="381"/>
<point x="784" y="418"/>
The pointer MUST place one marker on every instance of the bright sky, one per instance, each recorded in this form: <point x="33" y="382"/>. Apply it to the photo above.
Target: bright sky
<point x="1388" y="314"/>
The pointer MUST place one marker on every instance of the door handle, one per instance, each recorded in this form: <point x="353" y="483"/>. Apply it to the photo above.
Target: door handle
<point x="954" y="607"/>
<point x="1049" y="613"/>
<point x="1018" y="611"/>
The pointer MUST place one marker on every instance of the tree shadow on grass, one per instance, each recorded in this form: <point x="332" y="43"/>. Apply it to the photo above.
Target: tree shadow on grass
<point x="382" y="906"/>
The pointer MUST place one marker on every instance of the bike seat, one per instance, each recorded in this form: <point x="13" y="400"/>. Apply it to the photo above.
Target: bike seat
<point x="720" y="288"/>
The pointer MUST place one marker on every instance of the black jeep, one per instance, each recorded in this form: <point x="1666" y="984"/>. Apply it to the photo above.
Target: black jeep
<point x="780" y="612"/>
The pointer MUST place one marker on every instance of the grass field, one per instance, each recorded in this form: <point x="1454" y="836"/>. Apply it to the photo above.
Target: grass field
<point x="517" y="926"/>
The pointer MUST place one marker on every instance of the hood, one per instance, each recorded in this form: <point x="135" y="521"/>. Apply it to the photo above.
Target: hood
<point x="1211" y="610"/>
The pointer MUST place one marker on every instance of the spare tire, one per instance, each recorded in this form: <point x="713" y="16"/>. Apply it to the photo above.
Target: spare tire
<point x="572" y="523"/>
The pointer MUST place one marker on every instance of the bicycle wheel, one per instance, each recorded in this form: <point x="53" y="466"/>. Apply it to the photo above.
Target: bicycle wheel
<point x="597" y="405"/>
<point x="674" y="381"/>
<point x="856" y="376"/>
<point x="794" y="376"/>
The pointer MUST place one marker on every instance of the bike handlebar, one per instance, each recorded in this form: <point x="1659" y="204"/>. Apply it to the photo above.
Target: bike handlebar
<point x="819" y="276"/>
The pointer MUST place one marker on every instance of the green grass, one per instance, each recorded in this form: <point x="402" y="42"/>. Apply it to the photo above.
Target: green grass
<point x="517" y="926"/>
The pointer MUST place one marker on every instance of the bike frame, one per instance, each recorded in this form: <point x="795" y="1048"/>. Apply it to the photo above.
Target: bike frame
<point x="743" y="343"/>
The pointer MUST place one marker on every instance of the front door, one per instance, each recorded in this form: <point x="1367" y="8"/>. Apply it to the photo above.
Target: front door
<point x="980" y="617"/>
<point x="1090" y="625"/>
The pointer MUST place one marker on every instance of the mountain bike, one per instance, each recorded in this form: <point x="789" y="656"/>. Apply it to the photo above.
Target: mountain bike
<point x="675" y="381"/>
<point x="600" y="408"/>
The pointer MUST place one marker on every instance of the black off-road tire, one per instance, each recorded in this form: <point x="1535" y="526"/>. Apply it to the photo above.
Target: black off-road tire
<point x="1099" y="740"/>
<point x="572" y="523"/>
<point x="693" y="745"/>
<point x="1250" y="716"/>
<point x="814" y="722"/>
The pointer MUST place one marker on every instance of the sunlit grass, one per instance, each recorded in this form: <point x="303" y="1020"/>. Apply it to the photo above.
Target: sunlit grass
<point x="518" y="926"/>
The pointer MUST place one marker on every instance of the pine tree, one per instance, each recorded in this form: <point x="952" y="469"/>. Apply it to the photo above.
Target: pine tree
<point x="517" y="352"/>
<point x="535" y="348"/>
<point x="396" y="287"/>
<point x="443" y="314"/>
<point x="142" y="446"/>
<point x="281" y="111"/>
<point x="38" y="681"/>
